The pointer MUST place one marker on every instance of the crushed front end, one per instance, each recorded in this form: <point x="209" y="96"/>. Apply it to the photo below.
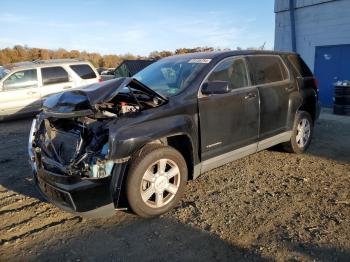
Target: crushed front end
<point x="69" y="148"/>
<point x="70" y="167"/>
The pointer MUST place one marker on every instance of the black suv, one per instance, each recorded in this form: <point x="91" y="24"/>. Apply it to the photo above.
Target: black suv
<point x="134" y="142"/>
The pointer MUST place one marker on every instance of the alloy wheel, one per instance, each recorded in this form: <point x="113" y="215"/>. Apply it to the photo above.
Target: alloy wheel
<point x="160" y="183"/>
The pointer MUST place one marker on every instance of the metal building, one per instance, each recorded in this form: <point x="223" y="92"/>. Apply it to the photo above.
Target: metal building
<point x="319" y="30"/>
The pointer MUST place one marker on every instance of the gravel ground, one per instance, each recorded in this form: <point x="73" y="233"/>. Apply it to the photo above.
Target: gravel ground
<point x="271" y="206"/>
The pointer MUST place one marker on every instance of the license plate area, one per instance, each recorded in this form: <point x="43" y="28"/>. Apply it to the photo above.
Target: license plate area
<point x="56" y="195"/>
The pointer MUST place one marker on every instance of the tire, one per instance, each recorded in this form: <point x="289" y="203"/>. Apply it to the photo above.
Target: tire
<point x="299" y="143"/>
<point x="149" y="191"/>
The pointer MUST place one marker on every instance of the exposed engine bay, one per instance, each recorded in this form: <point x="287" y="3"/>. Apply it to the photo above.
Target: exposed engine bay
<point x="73" y="134"/>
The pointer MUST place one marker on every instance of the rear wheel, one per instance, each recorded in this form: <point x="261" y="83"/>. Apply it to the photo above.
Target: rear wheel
<point x="156" y="180"/>
<point x="301" y="134"/>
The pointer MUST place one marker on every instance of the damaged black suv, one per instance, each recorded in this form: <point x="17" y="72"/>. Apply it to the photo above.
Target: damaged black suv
<point x="134" y="142"/>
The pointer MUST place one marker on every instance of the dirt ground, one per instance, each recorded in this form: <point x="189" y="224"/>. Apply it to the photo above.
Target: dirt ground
<point x="271" y="206"/>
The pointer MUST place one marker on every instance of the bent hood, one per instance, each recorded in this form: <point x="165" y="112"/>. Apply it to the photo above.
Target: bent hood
<point x="84" y="99"/>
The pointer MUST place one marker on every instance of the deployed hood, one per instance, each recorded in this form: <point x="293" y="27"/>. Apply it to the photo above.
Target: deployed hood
<point x="83" y="100"/>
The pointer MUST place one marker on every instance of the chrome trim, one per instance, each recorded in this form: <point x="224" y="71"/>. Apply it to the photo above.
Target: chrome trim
<point x="286" y="81"/>
<point x="30" y="145"/>
<point x="272" y="141"/>
<point x="225" y="158"/>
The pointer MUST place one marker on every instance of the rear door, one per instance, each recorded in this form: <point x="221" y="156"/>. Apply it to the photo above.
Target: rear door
<point x="271" y="77"/>
<point x="54" y="79"/>
<point x="229" y="121"/>
<point x="20" y="93"/>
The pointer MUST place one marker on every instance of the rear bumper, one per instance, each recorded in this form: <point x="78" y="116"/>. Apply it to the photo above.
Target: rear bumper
<point x="82" y="196"/>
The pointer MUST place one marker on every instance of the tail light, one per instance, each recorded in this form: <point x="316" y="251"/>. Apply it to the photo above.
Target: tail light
<point x="100" y="79"/>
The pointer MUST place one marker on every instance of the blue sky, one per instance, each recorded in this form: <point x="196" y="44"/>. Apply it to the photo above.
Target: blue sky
<point x="135" y="26"/>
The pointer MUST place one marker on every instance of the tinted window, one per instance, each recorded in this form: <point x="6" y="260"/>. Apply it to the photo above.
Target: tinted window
<point x="54" y="75"/>
<point x="233" y="71"/>
<point x="84" y="71"/>
<point x="299" y="65"/>
<point x="21" y="79"/>
<point x="267" y="69"/>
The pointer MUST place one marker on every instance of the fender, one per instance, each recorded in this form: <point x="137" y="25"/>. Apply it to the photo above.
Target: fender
<point x="294" y="103"/>
<point x="126" y="140"/>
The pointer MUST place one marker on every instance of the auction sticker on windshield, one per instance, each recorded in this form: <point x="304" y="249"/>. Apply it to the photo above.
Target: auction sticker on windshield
<point x="199" y="61"/>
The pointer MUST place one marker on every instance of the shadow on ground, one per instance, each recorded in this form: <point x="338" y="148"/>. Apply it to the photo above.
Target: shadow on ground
<point x="148" y="240"/>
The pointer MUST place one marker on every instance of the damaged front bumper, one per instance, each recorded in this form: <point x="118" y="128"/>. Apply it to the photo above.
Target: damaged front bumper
<point x="73" y="193"/>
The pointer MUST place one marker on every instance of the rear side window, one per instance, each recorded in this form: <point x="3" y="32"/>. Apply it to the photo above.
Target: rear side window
<point x="54" y="75"/>
<point x="84" y="71"/>
<point x="299" y="65"/>
<point x="267" y="69"/>
<point x="232" y="71"/>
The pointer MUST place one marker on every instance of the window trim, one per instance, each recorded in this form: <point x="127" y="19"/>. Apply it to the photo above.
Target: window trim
<point x="2" y="88"/>
<point x="285" y="81"/>
<point x="200" y="95"/>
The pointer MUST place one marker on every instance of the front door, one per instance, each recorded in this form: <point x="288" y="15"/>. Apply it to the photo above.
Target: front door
<point x="229" y="121"/>
<point x="19" y="93"/>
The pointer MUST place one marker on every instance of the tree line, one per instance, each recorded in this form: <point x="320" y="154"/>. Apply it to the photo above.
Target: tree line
<point x="20" y="53"/>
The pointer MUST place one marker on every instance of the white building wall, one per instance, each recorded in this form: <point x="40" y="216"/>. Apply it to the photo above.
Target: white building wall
<point x="317" y="23"/>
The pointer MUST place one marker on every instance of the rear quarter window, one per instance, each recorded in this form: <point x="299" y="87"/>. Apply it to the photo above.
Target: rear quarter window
<point x="299" y="65"/>
<point x="267" y="69"/>
<point x="84" y="71"/>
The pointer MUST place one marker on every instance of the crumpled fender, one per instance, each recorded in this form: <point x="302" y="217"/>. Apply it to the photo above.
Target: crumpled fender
<point x="127" y="140"/>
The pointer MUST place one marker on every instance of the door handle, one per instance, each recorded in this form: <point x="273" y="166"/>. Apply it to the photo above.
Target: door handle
<point x="67" y="87"/>
<point x="288" y="88"/>
<point x="250" y="96"/>
<point x="31" y="93"/>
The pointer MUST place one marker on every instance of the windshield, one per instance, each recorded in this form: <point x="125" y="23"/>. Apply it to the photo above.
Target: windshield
<point x="3" y="72"/>
<point x="169" y="77"/>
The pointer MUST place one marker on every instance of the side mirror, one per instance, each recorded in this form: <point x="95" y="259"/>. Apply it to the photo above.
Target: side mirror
<point x="215" y="87"/>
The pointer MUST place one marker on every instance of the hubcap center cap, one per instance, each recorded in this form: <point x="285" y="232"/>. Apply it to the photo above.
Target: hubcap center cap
<point x="161" y="183"/>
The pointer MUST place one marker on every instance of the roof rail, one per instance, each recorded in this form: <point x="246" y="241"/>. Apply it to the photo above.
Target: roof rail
<point x="50" y="61"/>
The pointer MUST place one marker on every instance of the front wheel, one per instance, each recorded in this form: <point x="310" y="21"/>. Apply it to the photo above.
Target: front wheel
<point x="301" y="133"/>
<point x="156" y="181"/>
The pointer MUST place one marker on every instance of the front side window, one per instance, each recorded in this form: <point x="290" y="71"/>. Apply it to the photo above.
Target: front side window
<point x="84" y="71"/>
<point x="170" y="76"/>
<point x="21" y="79"/>
<point x="267" y="69"/>
<point x="232" y="71"/>
<point x="54" y="75"/>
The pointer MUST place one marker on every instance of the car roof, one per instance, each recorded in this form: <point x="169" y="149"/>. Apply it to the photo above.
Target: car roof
<point x="43" y="63"/>
<point x="223" y="54"/>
